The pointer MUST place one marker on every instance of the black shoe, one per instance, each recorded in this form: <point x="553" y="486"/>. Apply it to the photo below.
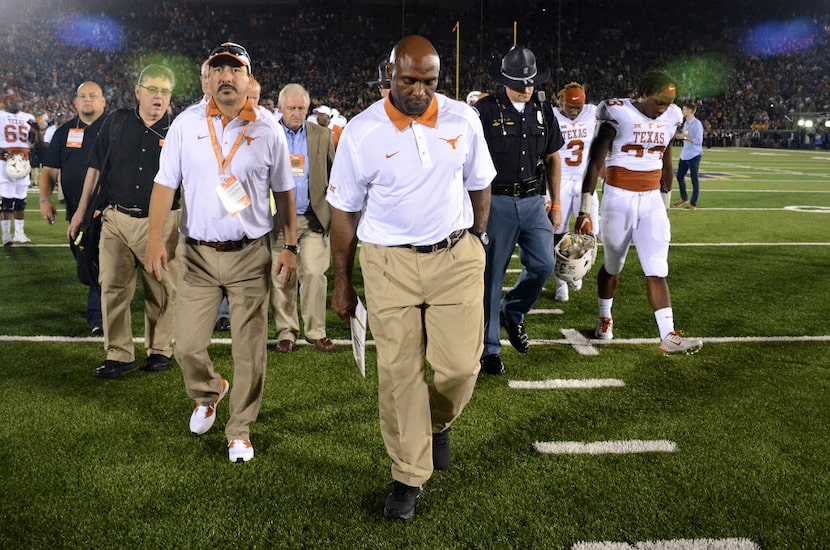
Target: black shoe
<point x="491" y="364"/>
<point x="441" y="450"/>
<point x="400" y="504"/>
<point x="516" y="333"/>
<point x="223" y="324"/>
<point x="113" y="369"/>
<point x="156" y="362"/>
<point x="96" y="328"/>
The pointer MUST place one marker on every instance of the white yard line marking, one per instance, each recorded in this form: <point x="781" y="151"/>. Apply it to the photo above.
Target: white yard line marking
<point x="545" y="312"/>
<point x="675" y="544"/>
<point x="565" y="384"/>
<point x="630" y="446"/>
<point x="580" y="344"/>
<point x="505" y="343"/>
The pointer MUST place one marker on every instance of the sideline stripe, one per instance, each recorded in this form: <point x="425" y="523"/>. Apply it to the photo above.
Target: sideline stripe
<point x="565" y="384"/>
<point x="545" y="312"/>
<point x="580" y="344"/>
<point x="675" y="544"/>
<point x="505" y="343"/>
<point x="630" y="446"/>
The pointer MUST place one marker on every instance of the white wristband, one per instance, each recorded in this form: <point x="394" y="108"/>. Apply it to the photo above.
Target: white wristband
<point x="587" y="201"/>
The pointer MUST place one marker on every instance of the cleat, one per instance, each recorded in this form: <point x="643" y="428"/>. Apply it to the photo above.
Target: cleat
<point x="576" y="285"/>
<point x="204" y="416"/>
<point x="605" y="326"/>
<point x="561" y="293"/>
<point x="21" y="238"/>
<point x="673" y="343"/>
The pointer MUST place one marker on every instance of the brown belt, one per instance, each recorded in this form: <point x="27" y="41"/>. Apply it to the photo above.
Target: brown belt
<point x="449" y="242"/>
<point x="222" y="246"/>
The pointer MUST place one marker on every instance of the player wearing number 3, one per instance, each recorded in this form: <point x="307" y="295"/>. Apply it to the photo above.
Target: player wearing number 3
<point x="577" y="123"/>
<point x="634" y="142"/>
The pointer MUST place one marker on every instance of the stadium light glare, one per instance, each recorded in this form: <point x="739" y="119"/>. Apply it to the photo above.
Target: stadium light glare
<point x="801" y="122"/>
<point x="808" y="123"/>
<point x="827" y="123"/>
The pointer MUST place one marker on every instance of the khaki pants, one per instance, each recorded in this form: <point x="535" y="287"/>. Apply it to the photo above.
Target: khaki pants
<point x="423" y="307"/>
<point x="244" y="276"/>
<point x="121" y="254"/>
<point x="313" y="261"/>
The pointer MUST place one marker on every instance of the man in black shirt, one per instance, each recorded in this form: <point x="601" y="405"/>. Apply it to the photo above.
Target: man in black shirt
<point x="125" y="158"/>
<point x="524" y="139"/>
<point x="67" y="157"/>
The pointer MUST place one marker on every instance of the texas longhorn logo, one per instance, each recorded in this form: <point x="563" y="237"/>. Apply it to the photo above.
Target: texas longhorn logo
<point x="451" y="141"/>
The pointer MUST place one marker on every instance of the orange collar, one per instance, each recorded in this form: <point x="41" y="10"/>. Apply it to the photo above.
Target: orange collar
<point x="401" y="121"/>
<point x="247" y="113"/>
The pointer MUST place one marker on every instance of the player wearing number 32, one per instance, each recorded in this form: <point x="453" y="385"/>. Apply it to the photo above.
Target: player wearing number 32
<point x="634" y="141"/>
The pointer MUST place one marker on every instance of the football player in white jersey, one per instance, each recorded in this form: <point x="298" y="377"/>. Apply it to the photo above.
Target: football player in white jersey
<point x="634" y="142"/>
<point x="577" y="123"/>
<point x="15" y="126"/>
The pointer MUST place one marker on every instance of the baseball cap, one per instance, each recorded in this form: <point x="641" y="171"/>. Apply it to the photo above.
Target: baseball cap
<point x="322" y="109"/>
<point x="233" y="50"/>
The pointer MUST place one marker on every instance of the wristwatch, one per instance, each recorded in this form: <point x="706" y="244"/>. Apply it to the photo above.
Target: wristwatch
<point x="483" y="237"/>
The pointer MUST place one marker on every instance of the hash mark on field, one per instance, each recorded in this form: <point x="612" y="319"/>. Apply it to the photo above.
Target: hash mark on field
<point x="585" y="383"/>
<point x="676" y="544"/>
<point x="630" y="446"/>
<point x="545" y="312"/>
<point x="580" y="344"/>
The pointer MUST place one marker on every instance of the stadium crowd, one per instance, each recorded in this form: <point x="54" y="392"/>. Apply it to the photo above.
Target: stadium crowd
<point x="333" y="48"/>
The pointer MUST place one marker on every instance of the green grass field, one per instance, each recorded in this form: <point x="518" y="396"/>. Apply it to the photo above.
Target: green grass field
<point x="86" y="463"/>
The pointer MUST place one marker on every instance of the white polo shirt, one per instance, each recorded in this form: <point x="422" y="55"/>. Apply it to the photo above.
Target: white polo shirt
<point x="410" y="177"/>
<point x="261" y="163"/>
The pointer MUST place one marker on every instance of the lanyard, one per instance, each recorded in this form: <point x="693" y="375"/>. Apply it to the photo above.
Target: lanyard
<point x="218" y="152"/>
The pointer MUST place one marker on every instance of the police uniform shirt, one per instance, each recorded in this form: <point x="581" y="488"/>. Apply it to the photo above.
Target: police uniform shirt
<point x="134" y="161"/>
<point x="260" y="164"/>
<point x="71" y="157"/>
<point x="517" y="140"/>
<point x="410" y="177"/>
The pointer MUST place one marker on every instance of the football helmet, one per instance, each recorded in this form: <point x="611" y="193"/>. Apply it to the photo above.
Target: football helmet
<point x="18" y="167"/>
<point x="575" y="255"/>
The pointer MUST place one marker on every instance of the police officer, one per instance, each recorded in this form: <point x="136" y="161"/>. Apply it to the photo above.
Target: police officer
<point x="523" y="137"/>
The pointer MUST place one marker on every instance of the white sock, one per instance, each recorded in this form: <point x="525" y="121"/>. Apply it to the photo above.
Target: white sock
<point x="605" y="306"/>
<point x="559" y="282"/>
<point x="18" y="227"/>
<point x="7" y="226"/>
<point x="665" y="321"/>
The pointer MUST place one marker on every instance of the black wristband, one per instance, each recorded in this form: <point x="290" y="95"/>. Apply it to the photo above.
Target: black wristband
<point x="290" y="247"/>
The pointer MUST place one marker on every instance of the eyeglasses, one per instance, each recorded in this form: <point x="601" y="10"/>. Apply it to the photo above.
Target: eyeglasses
<point x="231" y="48"/>
<point x="155" y="90"/>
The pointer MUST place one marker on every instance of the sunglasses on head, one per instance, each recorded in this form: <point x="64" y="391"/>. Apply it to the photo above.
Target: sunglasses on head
<point x="231" y="48"/>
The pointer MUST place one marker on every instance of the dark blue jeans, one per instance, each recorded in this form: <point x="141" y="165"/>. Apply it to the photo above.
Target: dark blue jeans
<point x="93" y="307"/>
<point x="523" y="222"/>
<point x="693" y="166"/>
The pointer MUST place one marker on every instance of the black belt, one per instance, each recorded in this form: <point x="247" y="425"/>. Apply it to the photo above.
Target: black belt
<point x="449" y="242"/>
<point x="222" y="246"/>
<point x="520" y="189"/>
<point x="132" y="212"/>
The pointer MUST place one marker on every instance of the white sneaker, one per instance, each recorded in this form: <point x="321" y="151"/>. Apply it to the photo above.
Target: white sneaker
<point x="562" y="293"/>
<point x="204" y="416"/>
<point x="21" y="238"/>
<point x="674" y="343"/>
<point x="577" y="285"/>
<point x="605" y="327"/>
<point x="240" y="450"/>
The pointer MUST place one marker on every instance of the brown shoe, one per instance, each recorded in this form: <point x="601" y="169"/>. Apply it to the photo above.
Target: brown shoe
<point x="285" y="346"/>
<point x="323" y="344"/>
<point x="680" y="203"/>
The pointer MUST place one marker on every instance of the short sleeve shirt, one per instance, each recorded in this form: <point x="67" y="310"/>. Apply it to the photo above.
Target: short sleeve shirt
<point x="410" y="177"/>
